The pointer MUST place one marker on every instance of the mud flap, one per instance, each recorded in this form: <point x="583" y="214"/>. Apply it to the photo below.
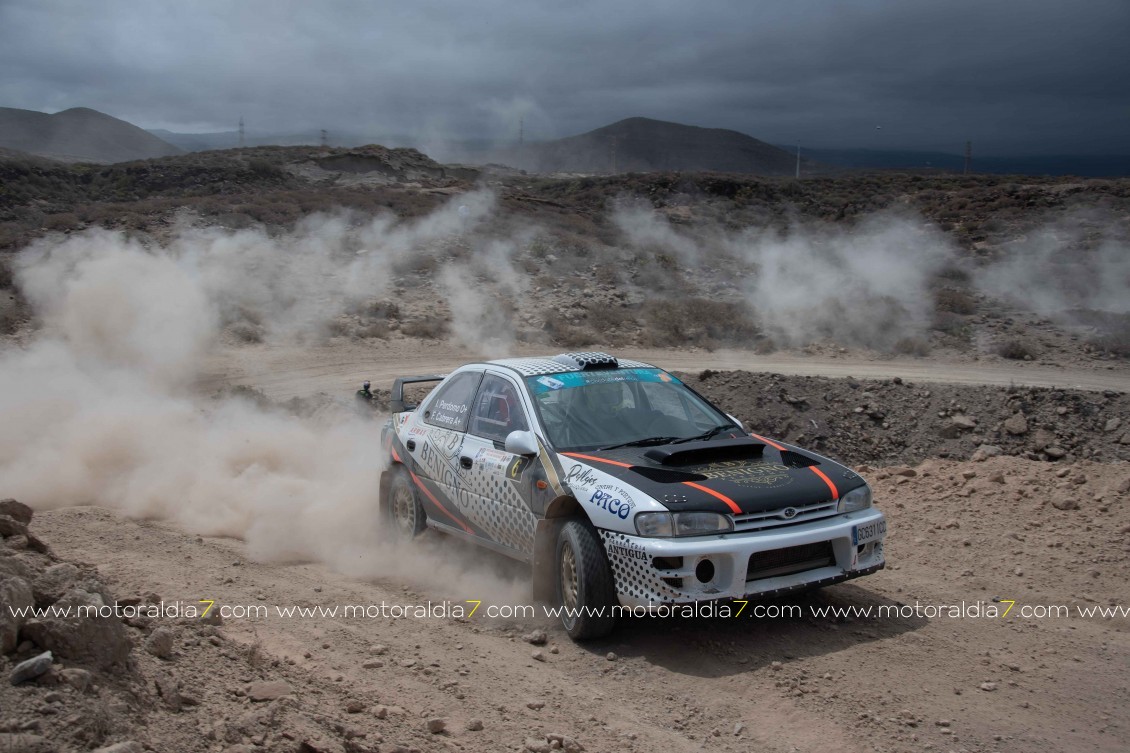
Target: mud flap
<point x="543" y="583"/>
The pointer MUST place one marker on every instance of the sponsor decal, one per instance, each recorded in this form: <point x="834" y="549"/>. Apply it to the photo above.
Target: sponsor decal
<point x="582" y="378"/>
<point x="612" y="502"/>
<point x="449" y="414"/>
<point x="447" y="442"/>
<point x="493" y="460"/>
<point x="627" y="549"/>
<point x="551" y="383"/>
<point x="516" y="467"/>
<point x="743" y="473"/>
<point x="402" y="418"/>
<point x="619" y="492"/>
<point x="419" y="431"/>
<point x="579" y="475"/>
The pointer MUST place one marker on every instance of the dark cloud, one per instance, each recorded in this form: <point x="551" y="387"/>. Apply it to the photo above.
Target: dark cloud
<point x="1012" y="75"/>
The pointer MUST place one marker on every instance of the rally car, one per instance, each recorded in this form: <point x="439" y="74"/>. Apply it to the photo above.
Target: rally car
<point x="621" y="486"/>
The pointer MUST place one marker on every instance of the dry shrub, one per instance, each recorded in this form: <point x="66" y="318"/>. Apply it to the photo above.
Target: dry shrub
<point x="698" y="321"/>
<point x="954" y="301"/>
<point x="953" y="325"/>
<point x="1017" y="349"/>
<point x="912" y="346"/>
<point x="426" y="328"/>
<point x="246" y="332"/>
<point x="562" y="333"/>
<point x="377" y="330"/>
<point x="381" y="310"/>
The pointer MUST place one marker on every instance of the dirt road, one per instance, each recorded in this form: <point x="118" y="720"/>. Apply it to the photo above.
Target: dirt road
<point x="286" y="372"/>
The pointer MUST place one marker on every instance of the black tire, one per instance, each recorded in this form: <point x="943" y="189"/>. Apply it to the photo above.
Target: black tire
<point x="584" y="582"/>
<point x="404" y="515"/>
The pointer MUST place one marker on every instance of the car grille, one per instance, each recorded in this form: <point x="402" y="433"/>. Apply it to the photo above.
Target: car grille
<point x="756" y="521"/>
<point x="793" y="559"/>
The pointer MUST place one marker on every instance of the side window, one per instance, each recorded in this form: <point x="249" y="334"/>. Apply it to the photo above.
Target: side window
<point x="451" y="406"/>
<point x="497" y="411"/>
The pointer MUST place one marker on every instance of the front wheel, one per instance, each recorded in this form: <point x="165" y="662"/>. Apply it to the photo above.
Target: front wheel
<point x="403" y="512"/>
<point x="585" y="590"/>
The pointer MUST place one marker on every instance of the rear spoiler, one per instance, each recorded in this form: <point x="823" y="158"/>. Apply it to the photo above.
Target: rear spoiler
<point x="396" y="400"/>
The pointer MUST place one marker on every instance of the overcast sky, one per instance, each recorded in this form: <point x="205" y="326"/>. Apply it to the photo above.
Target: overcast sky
<point x="1038" y="76"/>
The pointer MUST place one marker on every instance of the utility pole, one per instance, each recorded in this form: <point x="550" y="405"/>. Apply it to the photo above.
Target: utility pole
<point x="241" y="131"/>
<point x="612" y="153"/>
<point x="798" y="160"/>
<point x="325" y="139"/>
<point x="968" y="157"/>
<point x="521" y="131"/>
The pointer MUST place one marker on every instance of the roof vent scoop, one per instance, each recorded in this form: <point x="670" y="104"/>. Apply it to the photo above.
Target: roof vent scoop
<point x="587" y="361"/>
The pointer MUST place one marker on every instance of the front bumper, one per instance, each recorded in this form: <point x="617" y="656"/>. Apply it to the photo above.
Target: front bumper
<point x="653" y="571"/>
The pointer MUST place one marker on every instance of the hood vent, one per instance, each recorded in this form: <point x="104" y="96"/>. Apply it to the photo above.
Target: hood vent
<point x="666" y="475"/>
<point x="700" y="453"/>
<point x="796" y="460"/>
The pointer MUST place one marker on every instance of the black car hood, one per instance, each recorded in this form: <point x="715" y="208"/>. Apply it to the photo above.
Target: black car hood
<point x="733" y="475"/>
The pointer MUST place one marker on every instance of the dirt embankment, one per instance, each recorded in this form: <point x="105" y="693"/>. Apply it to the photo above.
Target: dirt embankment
<point x="896" y="421"/>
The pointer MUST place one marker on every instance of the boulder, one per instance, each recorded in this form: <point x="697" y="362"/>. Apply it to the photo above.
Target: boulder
<point x="31" y="668"/>
<point x="1016" y="425"/>
<point x="15" y="594"/>
<point x="15" y="510"/>
<point x="100" y="641"/>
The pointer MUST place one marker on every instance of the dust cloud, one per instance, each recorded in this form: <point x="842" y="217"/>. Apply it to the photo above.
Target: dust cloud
<point x="96" y="408"/>
<point x="1077" y="262"/>
<point x="284" y="287"/>
<point x="867" y="286"/>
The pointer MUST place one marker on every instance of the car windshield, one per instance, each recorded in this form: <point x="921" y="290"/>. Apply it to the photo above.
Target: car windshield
<point x="588" y="410"/>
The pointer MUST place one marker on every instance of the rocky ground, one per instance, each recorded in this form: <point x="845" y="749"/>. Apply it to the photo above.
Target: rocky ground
<point x="977" y="533"/>
<point x="897" y="420"/>
<point x="1046" y="532"/>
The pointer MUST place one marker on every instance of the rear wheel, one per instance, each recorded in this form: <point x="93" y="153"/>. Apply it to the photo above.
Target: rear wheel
<point x="585" y="589"/>
<point x="405" y="514"/>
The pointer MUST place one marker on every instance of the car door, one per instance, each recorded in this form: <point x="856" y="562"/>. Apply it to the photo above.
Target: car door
<point x="446" y="413"/>
<point x="499" y="480"/>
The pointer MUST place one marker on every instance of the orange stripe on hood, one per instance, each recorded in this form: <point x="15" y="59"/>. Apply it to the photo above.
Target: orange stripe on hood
<point x="599" y="460"/>
<point x="729" y="502"/>
<point x="828" y="481"/>
<point x="769" y="442"/>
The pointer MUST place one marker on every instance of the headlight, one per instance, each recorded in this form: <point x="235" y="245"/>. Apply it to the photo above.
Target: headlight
<point x="682" y="523"/>
<point x="856" y="499"/>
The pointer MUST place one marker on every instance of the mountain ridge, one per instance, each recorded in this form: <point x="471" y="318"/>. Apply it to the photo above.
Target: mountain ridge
<point x="79" y="134"/>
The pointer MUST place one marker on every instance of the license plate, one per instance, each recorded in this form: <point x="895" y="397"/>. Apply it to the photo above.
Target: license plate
<point x="868" y="532"/>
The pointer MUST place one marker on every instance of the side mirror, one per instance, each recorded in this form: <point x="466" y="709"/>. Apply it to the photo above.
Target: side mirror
<point x="522" y="443"/>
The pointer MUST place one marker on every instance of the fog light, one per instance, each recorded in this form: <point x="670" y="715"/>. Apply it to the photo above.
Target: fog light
<point x="704" y="571"/>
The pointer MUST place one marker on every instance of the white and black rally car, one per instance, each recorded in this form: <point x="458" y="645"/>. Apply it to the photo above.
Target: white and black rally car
<point x="621" y="486"/>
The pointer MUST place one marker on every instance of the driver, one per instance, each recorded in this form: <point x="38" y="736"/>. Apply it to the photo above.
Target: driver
<point x="604" y="399"/>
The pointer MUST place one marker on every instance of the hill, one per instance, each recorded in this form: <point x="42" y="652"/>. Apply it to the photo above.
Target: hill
<point x="78" y="135"/>
<point x="645" y="145"/>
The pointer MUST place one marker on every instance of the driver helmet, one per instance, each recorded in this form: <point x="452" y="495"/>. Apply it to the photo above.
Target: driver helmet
<point x="605" y="398"/>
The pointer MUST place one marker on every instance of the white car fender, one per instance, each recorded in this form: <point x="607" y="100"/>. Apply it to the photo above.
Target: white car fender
<point x="609" y="502"/>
